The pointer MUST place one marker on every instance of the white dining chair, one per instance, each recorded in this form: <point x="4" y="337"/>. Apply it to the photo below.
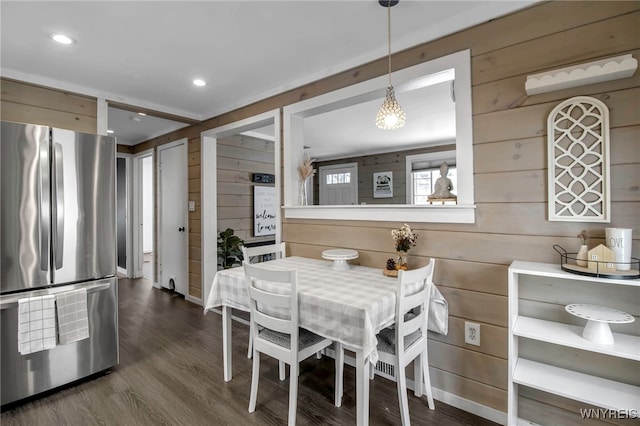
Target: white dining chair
<point x="410" y="331"/>
<point x="275" y="330"/>
<point x="406" y="340"/>
<point x="278" y="251"/>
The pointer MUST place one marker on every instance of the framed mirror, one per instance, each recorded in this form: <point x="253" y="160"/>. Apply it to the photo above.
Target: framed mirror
<point x="339" y="128"/>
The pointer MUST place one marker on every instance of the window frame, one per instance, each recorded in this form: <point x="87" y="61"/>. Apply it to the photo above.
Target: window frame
<point x="435" y="157"/>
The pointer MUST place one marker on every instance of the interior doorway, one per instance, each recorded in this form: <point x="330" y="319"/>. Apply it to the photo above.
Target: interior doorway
<point x="209" y="178"/>
<point x="123" y="221"/>
<point x="143" y="253"/>
<point x="147" y="219"/>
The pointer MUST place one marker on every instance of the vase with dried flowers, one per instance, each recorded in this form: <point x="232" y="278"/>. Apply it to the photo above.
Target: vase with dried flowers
<point x="404" y="238"/>
<point x="581" y="257"/>
<point x="306" y="171"/>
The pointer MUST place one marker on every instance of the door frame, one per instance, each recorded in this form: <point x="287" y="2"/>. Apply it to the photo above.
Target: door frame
<point x="136" y="234"/>
<point x="209" y="188"/>
<point x="322" y="186"/>
<point x="128" y="270"/>
<point x="158" y="247"/>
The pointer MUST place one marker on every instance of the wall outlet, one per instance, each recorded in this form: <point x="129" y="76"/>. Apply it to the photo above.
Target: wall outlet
<point x="472" y="333"/>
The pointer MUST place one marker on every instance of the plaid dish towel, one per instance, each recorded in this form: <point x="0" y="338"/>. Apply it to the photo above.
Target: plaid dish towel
<point x="36" y="324"/>
<point x="73" y="321"/>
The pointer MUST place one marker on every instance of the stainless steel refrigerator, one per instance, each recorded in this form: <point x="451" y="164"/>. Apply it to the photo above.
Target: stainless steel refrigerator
<point x="58" y="233"/>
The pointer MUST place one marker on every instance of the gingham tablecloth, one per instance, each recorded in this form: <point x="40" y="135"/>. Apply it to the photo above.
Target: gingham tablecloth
<point x="349" y="306"/>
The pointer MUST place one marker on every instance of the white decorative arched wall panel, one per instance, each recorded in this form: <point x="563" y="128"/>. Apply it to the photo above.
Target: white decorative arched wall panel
<point x="578" y="155"/>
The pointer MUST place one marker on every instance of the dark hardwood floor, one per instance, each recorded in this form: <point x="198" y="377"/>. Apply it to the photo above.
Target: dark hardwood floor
<point x="170" y="373"/>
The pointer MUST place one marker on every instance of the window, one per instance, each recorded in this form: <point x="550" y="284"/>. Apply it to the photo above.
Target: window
<point x="336" y="178"/>
<point x="422" y="172"/>
<point x="422" y="182"/>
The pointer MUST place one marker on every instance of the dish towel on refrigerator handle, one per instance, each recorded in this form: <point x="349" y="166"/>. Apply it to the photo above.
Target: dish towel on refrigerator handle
<point x="73" y="321"/>
<point x="36" y="324"/>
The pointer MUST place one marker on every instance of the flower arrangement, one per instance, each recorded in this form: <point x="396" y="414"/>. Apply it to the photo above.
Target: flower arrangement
<point x="404" y="237"/>
<point x="305" y="169"/>
<point x="583" y="236"/>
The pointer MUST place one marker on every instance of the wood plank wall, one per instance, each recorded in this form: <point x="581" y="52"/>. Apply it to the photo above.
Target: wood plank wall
<point x="195" y="219"/>
<point x="510" y="181"/>
<point x="28" y="103"/>
<point x="240" y="156"/>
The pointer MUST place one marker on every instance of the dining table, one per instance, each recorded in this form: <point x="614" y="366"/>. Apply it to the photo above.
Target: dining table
<point x="349" y="306"/>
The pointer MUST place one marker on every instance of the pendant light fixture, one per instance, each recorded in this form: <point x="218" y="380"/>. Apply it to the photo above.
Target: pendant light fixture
<point x="390" y="115"/>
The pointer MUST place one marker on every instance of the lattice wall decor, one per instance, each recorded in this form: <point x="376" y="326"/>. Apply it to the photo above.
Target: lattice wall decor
<point x="578" y="155"/>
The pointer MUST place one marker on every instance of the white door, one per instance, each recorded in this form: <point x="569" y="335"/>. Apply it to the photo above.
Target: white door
<point x="173" y="216"/>
<point x="339" y="184"/>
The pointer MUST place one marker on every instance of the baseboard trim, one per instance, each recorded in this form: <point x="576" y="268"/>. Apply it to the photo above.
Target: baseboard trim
<point x="193" y="300"/>
<point x="469" y="406"/>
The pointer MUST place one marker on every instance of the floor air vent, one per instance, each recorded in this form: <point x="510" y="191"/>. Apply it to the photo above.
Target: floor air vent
<point x="385" y="370"/>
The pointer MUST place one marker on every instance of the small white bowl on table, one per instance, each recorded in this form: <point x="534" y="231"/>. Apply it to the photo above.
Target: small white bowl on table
<point x="340" y="258"/>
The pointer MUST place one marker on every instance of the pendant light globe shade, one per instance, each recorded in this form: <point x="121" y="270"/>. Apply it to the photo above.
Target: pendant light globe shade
<point x="390" y="115"/>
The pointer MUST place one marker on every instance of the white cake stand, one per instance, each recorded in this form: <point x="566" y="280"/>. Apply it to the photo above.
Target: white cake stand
<point x="599" y="317"/>
<point x="340" y="257"/>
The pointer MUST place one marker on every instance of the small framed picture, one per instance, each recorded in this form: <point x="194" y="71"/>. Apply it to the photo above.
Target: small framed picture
<point x="383" y="185"/>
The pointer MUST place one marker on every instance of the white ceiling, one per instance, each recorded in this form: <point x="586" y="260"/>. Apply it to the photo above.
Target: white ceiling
<point x="131" y="128"/>
<point x="146" y="53"/>
<point x="431" y="120"/>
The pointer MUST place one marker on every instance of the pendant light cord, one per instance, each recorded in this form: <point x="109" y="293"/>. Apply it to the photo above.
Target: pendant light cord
<point x="389" y="36"/>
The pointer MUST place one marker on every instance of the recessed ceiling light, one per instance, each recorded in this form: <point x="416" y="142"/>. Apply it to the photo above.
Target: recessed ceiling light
<point x="62" y="39"/>
<point x="109" y="131"/>
<point x="199" y="82"/>
<point x="142" y="113"/>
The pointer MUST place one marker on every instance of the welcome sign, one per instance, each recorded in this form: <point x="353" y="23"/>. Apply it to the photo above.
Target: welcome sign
<point x="264" y="210"/>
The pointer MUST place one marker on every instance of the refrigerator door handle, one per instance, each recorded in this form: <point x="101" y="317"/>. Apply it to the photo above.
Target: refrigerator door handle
<point x="44" y="223"/>
<point x="58" y="211"/>
<point x="11" y="300"/>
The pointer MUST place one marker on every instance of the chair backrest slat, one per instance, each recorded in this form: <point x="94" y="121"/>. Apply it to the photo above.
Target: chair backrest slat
<point x="279" y="250"/>
<point x="414" y="323"/>
<point x="416" y="299"/>
<point x="272" y="323"/>
<point x="269" y="298"/>
<point x="412" y="293"/>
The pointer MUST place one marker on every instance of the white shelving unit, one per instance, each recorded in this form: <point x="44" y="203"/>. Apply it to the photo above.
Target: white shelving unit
<point x="587" y="388"/>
